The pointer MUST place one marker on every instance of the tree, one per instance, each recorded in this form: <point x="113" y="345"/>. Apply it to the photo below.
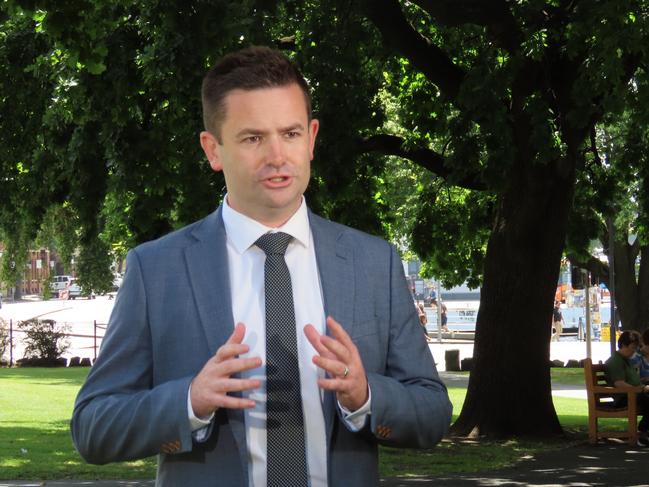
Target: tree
<point x="493" y="100"/>
<point x="510" y="92"/>
<point x="614" y="190"/>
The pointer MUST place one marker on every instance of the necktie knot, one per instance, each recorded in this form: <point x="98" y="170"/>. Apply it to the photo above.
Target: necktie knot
<point x="274" y="243"/>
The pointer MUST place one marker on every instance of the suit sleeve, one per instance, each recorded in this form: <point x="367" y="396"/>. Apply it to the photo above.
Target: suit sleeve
<point x="410" y="404"/>
<point x="119" y="414"/>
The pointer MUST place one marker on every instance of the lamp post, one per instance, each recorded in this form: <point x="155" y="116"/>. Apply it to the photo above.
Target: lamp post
<point x="439" y="312"/>
<point x="611" y="280"/>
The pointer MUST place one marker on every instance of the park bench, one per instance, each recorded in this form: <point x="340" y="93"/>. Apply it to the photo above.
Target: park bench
<point x="600" y="405"/>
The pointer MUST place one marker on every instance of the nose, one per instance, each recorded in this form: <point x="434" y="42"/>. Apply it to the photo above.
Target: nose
<point x="275" y="151"/>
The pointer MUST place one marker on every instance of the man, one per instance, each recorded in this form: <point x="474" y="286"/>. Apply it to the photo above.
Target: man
<point x="182" y="371"/>
<point x="557" y="321"/>
<point x="640" y="360"/>
<point x="620" y="373"/>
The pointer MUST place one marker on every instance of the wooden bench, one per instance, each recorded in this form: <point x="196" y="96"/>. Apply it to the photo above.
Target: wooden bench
<point x="600" y="405"/>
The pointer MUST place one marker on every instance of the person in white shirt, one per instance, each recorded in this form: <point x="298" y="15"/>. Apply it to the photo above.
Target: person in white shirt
<point x="182" y="369"/>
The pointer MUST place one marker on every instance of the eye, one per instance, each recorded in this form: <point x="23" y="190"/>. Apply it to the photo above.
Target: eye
<point x="252" y="139"/>
<point x="292" y="134"/>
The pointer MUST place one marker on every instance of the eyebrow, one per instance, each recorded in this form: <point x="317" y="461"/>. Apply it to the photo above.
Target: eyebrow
<point x="251" y="131"/>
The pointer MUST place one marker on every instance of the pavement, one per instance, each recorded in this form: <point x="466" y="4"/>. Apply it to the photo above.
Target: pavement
<point x="606" y="465"/>
<point x="577" y="391"/>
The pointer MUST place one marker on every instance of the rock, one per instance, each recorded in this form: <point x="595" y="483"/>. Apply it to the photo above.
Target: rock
<point x="452" y="358"/>
<point x="467" y="364"/>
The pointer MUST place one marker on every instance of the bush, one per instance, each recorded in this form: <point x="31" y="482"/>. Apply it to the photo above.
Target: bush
<point x="44" y="341"/>
<point x="4" y="340"/>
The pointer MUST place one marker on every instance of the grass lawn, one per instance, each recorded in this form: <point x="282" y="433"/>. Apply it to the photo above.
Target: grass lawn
<point x="35" y="409"/>
<point x="36" y="404"/>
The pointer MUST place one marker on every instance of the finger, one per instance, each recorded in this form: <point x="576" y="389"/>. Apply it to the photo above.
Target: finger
<point x="238" y="334"/>
<point x="315" y="339"/>
<point x="333" y="367"/>
<point x="231" y="402"/>
<point x="238" y="385"/>
<point x="337" y="349"/>
<point x="339" y="333"/>
<point x="236" y="365"/>
<point x="230" y="350"/>
<point x="333" y="384"/>
<point x="313" y="336"/>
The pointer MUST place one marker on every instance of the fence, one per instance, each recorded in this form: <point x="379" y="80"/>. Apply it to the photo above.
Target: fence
<point x="80" y="342"/>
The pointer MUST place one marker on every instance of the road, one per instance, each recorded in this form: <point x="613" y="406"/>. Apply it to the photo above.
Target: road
<point x="79" y="315"/>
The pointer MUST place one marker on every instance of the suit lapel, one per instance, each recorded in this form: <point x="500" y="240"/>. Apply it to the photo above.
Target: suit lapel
<point x="207" y="265"/>
<point x="336" y="269"/>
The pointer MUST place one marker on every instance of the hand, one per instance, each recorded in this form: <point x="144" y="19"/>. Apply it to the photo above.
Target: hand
<point x="337" y="354"/>
<point x="210" y="388"/>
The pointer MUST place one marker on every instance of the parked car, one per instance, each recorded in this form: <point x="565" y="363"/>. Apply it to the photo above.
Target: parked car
<point x="75" y="291"/>
<point x="59" y="283"/>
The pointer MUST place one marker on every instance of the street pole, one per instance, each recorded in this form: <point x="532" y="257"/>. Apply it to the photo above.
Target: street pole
<point x="611" y="281"/>
<point x="11" y="343"/>
<point x="439" y="312"/>
<point x="95" y="341"/>
<point x="588" y="318"/>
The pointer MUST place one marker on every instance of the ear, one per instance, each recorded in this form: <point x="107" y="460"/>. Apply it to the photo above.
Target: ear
<point x="314" y="125"/>
<point x="211" y="148"/>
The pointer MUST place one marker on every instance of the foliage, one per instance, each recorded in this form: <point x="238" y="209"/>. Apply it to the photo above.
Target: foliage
<point x="492" y="103"/>
<point x="44" y="339"/>
<point x="47" y="288"/>
<point x="4" y="339"/>
<point x="615" y="182"/>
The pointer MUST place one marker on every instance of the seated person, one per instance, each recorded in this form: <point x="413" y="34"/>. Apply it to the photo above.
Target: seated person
<point x="620" y="373"/>
<point x="640" y="359"/>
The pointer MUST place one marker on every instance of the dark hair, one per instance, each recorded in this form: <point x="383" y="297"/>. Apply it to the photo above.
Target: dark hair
<point x="627" y="338"/>
<point x="645" y="337"/>
<point x="249" y="69"/>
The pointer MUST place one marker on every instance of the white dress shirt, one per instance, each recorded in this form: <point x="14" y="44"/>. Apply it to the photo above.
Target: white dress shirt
<point x="246" y="268"/>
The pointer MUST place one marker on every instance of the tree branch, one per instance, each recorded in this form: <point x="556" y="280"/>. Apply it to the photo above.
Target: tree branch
<point x="399" y="34"/>
<point x="426" y="158"/>
<point x="597" y="268"/>
<point x="495" y="15"/>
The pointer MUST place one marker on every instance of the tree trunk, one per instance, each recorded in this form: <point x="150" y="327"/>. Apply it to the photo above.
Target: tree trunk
<point x="18" y="290"/>
<point x="631" y="293"/>
<point x="509" y="392"/>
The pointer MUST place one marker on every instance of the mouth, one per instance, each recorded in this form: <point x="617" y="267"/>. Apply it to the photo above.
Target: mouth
<point x="276" y="182"/>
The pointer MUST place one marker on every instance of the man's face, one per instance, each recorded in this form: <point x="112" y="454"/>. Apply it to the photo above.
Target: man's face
<point x="644" y="350"/>
<point x="265" y="151"/>
<point x="629" y="350"/>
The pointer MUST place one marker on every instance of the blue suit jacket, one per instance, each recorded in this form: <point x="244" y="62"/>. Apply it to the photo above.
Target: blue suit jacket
<point x="173" y="312"/>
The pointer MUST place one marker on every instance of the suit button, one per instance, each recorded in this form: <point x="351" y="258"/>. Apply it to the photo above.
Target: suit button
<point x="170" y="447"/>
<point x="383" y="431"/>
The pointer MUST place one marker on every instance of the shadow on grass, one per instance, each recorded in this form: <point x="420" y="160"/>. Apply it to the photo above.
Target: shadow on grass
<point x="610" y="464"/>
<point x="73" y="376"/>
<point x="47" y="453"/>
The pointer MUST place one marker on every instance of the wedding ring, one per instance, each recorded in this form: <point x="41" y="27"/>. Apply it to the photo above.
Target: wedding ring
<point x="346" y="373"/>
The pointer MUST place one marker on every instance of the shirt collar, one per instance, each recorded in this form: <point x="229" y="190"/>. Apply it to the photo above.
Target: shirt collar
<point x="243" y="231"/>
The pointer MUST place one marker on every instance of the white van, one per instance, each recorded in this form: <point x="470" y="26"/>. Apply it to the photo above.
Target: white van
<point x="59" y="282"/>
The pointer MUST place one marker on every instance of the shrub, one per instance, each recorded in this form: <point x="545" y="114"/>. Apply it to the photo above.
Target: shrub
<point x="44" y="340"/>
<point x="4" y="340"/>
